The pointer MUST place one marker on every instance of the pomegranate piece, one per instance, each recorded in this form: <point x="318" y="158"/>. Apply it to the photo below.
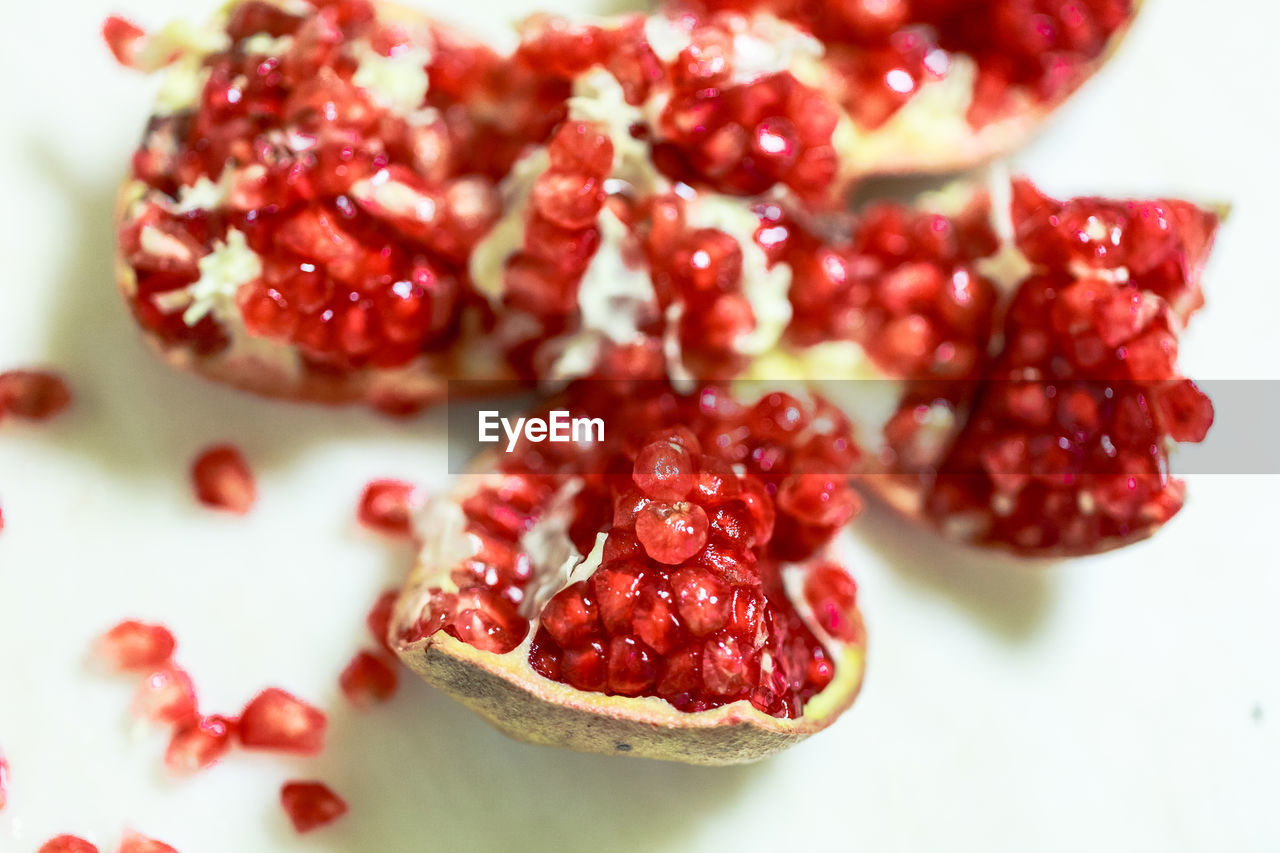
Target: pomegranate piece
<point x="34" y="395"/>
<point x="368" y="680"/>
<point x="166" y="695"/>
<point x="308" y="201"/>
<point x="134" y="842"/>
<point x="134" y="645"/>
<point x="199" y="743"/>
<point x="223" y="480"/>
<point x="67" y="844"/>
<point x="388" y="506"/>
<point x="279" y="721"/>
<point x="4" y="781"/>
<point x="685" y="596"/>
<point x="123" y="39"/>
<point x="311" y="805"/>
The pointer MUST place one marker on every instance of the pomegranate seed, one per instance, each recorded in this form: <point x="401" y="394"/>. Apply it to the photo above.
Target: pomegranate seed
<point x="279" y="721"/>
<point x="379" y="618"/>
<point x="122" y="38"/>
<point x="67" y="844"/>
<point x="570" y="617"/>
<point x="166" y="696"/>
<point x="833" y="597"/>
<point x="4" y="781"/>
<point x="311" y="805"/>
<point x="672" y="533"/>
<point x="664" y="471"/>
<point x="388" y="506"/>
<point x="135" y="645"/>
<point x="632" y="667"/>
<point x="368" y="680"/>
<point x="133" y="842"/>
<point x="223" y="480"/>
<point x="703" y="601"/>
<point x="33" y="394"/>
<point x="199" y="743"/>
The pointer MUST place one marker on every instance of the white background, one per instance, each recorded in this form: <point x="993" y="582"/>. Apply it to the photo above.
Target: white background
<point x="1129" y="702"/>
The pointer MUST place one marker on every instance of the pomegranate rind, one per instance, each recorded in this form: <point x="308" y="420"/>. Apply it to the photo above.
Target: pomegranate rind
<point x="506" y="691"/>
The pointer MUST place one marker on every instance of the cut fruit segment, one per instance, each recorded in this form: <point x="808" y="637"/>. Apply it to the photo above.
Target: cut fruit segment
<point x="299" y="217"/>
<point x="544" y="600"/>
<point x="941" y="85"/>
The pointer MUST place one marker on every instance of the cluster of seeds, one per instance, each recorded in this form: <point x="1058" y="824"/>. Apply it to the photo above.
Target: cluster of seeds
<point x="695" y="527"/>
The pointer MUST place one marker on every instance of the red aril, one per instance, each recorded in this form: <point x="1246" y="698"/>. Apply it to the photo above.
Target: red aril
<point x="223" y="480"/>
<point x="388" y="506"/>
<point x="368" y="680"/>
<point x="379" y="618"/>
<point x="67" y="844"/>
<point x="199" y="743"/>
<point x="4" y="781"/>
<point x="34" y="395"/>
<point x="135" y="645"/>
<point x="134" y="842"/>
<point x="166" y="695"/>
<point x="311" y="805"/>
<point x="276" y="720"/>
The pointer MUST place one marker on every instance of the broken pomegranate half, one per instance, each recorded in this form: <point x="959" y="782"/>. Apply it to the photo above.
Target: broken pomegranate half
<point x="934" y="85"/>
<point x="298" y="218"/>
<point x="653" y="593"/>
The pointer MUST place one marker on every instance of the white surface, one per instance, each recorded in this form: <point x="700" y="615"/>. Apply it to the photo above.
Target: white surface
<point x="1129" y="702"/>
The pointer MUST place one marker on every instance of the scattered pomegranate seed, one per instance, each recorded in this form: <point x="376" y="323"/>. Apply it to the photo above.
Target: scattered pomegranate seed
<point x="122" y="37"/>
<point x="223" y="480"/>
<point x="33" y="394"/>
<point x="833" y="597"/>
<point x="368" y="680"/>
<point x="277" y="720"/>
<point x="379" y="618"/>
<point x="311" y="805"/>
<point x="135" y="645"/>
<point x="166" y="696"/>
<point x="4" y="781"/>
<point x="388" y="506"/>
<point x="67" y="844"/>
<point x="199" y="743"/>
<point x="133" y="842"/>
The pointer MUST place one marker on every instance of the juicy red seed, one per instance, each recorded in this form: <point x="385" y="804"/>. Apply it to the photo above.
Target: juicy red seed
<point x="570" y="617"/>
<point x="703" y="601"/>
<point x="379" y="618"/>
<point x="570" y="200"/>
<point x="135" y="645"/>
<point x="761" y="506"/>
<point x="585" y="668"/>
<point x="122" y="38"/>
<point x="368" y="680"/>
<point x="222" y="479"/>
<point x="133" y="842"/>
<point x="633" y="666"/>
<point x="199" y="743"/>
<point x="67" y="844"/>
<point x="725" y="670"/>
<point x="4" y="781"/>
<point x="279" y="721"/>
<point x="833" y="597"/>
<point x="484" y="619"/>
<point x="578" y="147"/>
<point x="311" y="805"/>
<point x="388" y="506"/>
<point x="664" y="471"/>
<point x="672" y="533"/>
<point x="818" y="499"/>
<point x="33" y="394"/>
<point x="166" y="696"/>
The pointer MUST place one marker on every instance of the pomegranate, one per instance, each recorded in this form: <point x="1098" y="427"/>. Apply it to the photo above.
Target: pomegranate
<point x="298" y="216"/>
<point x="67" y="844"/>
<point x="199" y="743"/>
<point x="277" y="720"/>
<point x="134" y="842"/>
<point x="223" y="480"/>
<point x="311" y="805"/>
<point x="134" y="645"/>
<point x="645" y="594"/>
<point x="1055" y="440"/>
<point x="388" y="506"/>
<point x="34" y="395"/>
<point x="166" y="695"/>
<point x="940" y="85"/>
<point x="368" y="680"/>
